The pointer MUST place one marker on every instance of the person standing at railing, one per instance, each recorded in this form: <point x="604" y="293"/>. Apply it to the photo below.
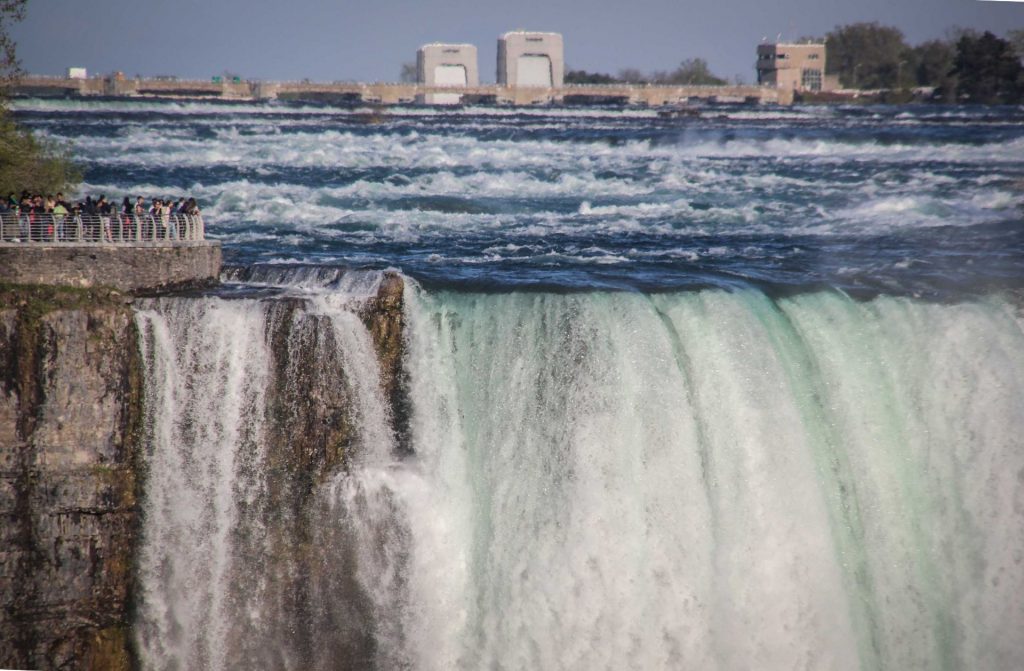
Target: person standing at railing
<point x="90" y="220"/>
<point x="125" y="226"/>
<point x="140" y="213"/>
<point x="165" y="219"/>
<point x="78" y="226"/>
<point x="180" y="225"/>
<point x="38" y="220"/>
<point x="60" y="213"/>
<point x="106" y="211"/>
<point x="24" y="216"/>
<point x="155" y="210"/>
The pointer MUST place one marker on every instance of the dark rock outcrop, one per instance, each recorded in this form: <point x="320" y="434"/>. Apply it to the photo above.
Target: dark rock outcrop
<point x="70" y="408"/>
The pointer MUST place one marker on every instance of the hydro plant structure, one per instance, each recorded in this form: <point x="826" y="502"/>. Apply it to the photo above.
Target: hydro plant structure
<point x="531" y="60"/>
<point x="452" y="65"/>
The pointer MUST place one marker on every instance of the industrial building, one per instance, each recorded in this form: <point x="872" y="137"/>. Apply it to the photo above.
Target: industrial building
<point x="795" y="67"/>
<point x="527" y="59"/>
<point x="452" y="65"/>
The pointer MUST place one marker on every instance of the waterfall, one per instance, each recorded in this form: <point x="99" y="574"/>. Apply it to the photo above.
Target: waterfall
<point x="252" y="405"/>
<point x="717" y="480"/>
<point x="206" y="375"/>
<point x="596" y="480"/>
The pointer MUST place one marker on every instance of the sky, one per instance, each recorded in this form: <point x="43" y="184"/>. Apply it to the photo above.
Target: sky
<point x="346" y="40"/>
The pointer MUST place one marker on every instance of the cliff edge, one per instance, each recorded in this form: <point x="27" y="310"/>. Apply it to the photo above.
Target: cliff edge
<point x="70" y="414"/>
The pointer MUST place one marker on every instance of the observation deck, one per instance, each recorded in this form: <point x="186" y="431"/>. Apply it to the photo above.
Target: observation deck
<point x="129" y="253"/>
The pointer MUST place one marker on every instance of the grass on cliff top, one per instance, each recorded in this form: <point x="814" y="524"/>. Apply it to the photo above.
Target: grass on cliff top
<point x="42" y="298"/>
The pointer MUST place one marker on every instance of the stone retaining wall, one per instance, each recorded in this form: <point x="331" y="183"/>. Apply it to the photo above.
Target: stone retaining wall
<point x="124" y="267"/>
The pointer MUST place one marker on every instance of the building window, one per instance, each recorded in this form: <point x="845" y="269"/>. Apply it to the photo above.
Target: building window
<point x="781" y="56"/>
<point x="812" y="57"/>
<point x="534" y="39"/>
<point x="451" y="51"/>
<point x="810" y="80"/>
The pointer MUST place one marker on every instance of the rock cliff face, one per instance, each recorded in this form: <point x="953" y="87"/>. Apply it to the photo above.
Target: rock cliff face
<point x="72" y="477"/>
<point x="70" y="408"/>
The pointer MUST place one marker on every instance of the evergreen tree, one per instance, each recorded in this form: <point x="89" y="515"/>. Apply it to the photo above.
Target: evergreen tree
<point x="988" y="70"/>
<point x="933" y="66"/>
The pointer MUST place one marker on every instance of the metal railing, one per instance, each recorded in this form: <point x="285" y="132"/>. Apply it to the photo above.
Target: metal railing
<point x="102" y="229"/>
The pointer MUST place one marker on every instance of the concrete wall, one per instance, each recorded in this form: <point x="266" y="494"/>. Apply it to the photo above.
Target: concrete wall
<point x="121" y="266"/>
<point x="393" y="94"/>
<point x="516" y="45"/>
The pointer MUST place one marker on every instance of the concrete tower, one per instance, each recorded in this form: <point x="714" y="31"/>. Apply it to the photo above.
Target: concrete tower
<point x="531" y="60"/>
<point x="446" y="65"/>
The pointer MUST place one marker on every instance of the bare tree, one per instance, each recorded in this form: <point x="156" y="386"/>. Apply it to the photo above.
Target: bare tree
<point x="11" y="12"/>
<point x="408" y="73"/>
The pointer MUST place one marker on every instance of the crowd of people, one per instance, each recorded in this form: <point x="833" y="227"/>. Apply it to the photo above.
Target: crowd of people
<point x="53" y="219"/>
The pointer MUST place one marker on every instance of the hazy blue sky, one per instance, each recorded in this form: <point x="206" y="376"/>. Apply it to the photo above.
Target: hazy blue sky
<point x="342" y="40"/>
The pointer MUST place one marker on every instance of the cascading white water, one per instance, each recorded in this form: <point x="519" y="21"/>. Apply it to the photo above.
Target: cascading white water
<point x="614" y="480"/>
<point x="207" y="369"/>
<point x="715" y="480"/>
<point x="216" y="565"/>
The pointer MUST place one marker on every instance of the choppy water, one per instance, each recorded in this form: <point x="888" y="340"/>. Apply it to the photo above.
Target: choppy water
<point x="921" y="201"/>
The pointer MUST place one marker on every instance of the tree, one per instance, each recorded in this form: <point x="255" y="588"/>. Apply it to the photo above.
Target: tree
<point x="933" y="63"/>
<point x="408" y="74"/>
<point x="11" y="11"/>
<point x="988" y="70"/>
<point x="31" y="164"/>
<point x="26" y="162"/>
<point x="691" y="72"/>
<point x="1016" y="40"/>
<point x="584" y="77"/>
<point x="868" y="56"/>
<point x="633" y="76"/>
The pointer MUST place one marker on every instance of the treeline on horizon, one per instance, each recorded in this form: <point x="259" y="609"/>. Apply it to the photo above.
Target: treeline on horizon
<point x="967" y="66"/>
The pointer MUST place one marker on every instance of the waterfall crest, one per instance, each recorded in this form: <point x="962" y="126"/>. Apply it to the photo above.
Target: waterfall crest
<point x="593" y="480"/>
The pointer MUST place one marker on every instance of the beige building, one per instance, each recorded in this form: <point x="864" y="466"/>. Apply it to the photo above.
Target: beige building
<point x="795" y="67"/>
<point x="452" y="65"/>
<point x="531" y="60"/>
